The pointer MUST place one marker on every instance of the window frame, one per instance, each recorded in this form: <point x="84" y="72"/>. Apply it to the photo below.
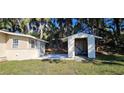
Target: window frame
<point x="32" y="43"/>
<point x="15" y="43"/>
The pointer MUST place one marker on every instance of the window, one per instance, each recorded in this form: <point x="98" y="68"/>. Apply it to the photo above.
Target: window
<point x="15" y="43"/>
<point x="32" y="43"/>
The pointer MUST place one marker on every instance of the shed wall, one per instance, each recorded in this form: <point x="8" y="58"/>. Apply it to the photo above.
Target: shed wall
<point x="71" y="52"/>
<point x="90" y="45"/>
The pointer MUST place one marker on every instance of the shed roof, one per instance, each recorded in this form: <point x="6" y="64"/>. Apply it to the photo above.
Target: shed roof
<point x="80" y="34"/>
<point x="23" y="35"/>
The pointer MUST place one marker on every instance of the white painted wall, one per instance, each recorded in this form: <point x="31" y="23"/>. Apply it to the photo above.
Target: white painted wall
<point x="23" y="51"/>
<point x="27" y="53"/>
<point x="41" y="48"/>
<point x="2" y="45"/>
<point x="71" y="47"/>
<point x="91" y="47"/>
<point x="21" y="54"/>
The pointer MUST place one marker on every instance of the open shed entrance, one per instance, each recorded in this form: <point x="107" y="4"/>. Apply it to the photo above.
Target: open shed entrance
<point x="81" y="47"/>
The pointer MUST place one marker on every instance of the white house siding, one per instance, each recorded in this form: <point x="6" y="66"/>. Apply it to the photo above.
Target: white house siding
<point x="23" y="42"/>
<point x="24" y="52"/>
<point x="41" y="48"/>
<point x="2" y="45"/>
<point x="21" y="54"/>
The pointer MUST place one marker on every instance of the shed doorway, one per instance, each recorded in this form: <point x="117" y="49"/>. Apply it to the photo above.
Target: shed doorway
<point x="81" y="47"/>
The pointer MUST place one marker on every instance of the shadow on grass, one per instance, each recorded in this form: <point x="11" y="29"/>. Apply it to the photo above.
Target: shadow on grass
<point x="52" y="60"/>
<point x="112" y="63"/>
<point x="110" y="57"/>
<point x="43" y="60"/>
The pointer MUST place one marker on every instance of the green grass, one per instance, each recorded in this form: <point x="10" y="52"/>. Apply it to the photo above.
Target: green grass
<point x="103" y="65"/>
<point x="116" y="57"/>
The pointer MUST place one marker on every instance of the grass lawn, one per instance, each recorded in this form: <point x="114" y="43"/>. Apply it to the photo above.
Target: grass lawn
<point x="103" y="65"/>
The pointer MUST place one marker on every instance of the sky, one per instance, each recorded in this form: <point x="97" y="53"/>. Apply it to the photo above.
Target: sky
<point x="108" y="22"/>
<point x="74" y="22"/>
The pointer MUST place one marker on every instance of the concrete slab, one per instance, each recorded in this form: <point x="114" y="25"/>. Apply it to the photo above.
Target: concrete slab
<point x="56" y="56"/>
<point x="79" y="58"/>
<point x="62" y="57"/>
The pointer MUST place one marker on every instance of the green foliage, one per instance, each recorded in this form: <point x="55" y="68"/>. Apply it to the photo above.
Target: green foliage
<point x="44" y="28"/>
<point x="5" y="24"/>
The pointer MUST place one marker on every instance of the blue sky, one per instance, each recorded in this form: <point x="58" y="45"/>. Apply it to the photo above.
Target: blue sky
<point x="74" y="21"/>
<point x="107" y="21"/>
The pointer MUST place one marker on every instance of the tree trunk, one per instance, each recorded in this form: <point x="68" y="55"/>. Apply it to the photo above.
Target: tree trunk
<point x="117" y="23"/>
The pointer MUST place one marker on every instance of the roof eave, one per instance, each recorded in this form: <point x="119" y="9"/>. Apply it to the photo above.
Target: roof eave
<point x="23" y="35"/>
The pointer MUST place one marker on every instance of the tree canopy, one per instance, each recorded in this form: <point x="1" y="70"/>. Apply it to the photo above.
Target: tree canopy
<point x="53" y="29"/>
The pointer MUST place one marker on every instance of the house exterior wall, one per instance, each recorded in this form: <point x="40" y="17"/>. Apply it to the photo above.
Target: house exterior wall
<point x="22" y="54"/>
<point x="23" y="42"/>
<point x="2" y="45"/>
<point x="24" y="51"/>
<point x="41" y="48"/>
